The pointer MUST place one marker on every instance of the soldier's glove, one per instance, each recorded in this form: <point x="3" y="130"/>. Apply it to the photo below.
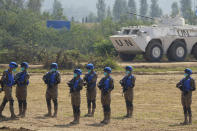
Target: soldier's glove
<point x="193" y="89"/>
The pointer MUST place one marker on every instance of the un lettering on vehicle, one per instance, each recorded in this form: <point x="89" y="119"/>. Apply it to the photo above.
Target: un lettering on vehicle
<point x="183" y="33"/>
<point x="126" y="42"/>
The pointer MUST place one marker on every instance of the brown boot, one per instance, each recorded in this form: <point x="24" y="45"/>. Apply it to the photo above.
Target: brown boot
<point x="185" y="121"/>
<point x="127" y="115"/>
<point x="55" y="111"/>
<point x="49" y="109"/>
<point x="24" y="108"/>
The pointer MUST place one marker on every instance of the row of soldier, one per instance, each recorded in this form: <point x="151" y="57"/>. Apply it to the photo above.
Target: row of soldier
<point x="106" y="85"/>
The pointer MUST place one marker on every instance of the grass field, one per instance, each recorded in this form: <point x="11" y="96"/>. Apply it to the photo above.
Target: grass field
<point x="157" y="107"/>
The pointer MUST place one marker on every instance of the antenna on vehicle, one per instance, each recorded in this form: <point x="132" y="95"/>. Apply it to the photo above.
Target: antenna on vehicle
<point x="147" y="17"/>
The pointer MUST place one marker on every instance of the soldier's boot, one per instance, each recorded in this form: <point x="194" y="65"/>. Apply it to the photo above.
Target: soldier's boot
<point x="20" y="106"/>
<point x="13" y="116"/>
<point x="186" y="120"/>
<point x="93" y="111"/>
<point x="130" y="113"/>
<point x="190" y="119"/>
<point x="49" y="109"/>
<point x="24" y="108"/>
<point x="89" y="113"/>
<point x="55" y="108"/>
<point x="105" y="118"/>
<point x="127" y="115"/>
<point x="190" y="115"/>
<point x="75" y="118"/>
<point x="3" y="104"/>
<point x="93" y="108"/>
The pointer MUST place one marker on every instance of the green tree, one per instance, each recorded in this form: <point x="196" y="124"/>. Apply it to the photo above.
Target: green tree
<point x="132" y="8"/>
<point x="186" y="8"/>
<point x="57" y="10"/>
<point x="120" y="9"/>
<point x="155" y="11"/>
<point x="34" y="5"/>
<point x="143" y="8"/>
<point x="175" y="9"/>
<point x="109" y="13"/>
<point x="101" y="10"/>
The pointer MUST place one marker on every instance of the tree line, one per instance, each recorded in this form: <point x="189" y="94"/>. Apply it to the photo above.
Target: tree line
<point x="25" y="37"/>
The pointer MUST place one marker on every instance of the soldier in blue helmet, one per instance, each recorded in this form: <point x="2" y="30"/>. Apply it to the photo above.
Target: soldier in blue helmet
<point x="76" y="85"/>
<point x="187" y="85"/>
<point x="90" y="81"/>
<point x="52" y="79"/>
<point x="106" y="85"/>
<point x="128" y="83"/>
<point x="22" y="81"/>
<point x="7" y="80"/>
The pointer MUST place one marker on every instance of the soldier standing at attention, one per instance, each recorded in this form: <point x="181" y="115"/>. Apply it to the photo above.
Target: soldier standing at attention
<point x="106" y="85"/>
<point x="90" y="80"/>
<point x="52" y="79"/>
<point x="22" y="81"/>
<point x="76" y="85"/>
<point x="128" y="83"/>
<point x="7" y="81"/>
<point x="187" y="85"/>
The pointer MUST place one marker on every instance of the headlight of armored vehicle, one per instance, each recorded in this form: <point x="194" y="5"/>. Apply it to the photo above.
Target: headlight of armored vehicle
<point x="140" y="33"/>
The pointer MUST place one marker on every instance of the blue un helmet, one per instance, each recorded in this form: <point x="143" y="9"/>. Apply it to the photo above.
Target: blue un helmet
<point x="25" y="65"/>
<point x="13" y="65"/>
<point x="107" y="69"/>
<point x="129" y="68"/>
<point x="54" y="66"/>
<point x="78" y="71"/>
<point x="188" y="71"/>
<point x="90" y="66"/>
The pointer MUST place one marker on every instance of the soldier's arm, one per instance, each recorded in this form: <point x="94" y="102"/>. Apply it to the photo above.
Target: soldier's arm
<point x="58" y="78"/>
<point x="111" y="84"/>
<point x="100" y="84"/>
<point x="80" y="86"/>
<point x="193" y="84"/>
<point x="27" y="78"/>
<point x="133" y="81"/>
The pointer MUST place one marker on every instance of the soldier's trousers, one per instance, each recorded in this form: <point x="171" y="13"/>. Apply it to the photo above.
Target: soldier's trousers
<point x="21" y="95"/>
<point x="106" y="101"/>
<point x="52" y="94"/>
<point x="186" y="100"/>
<point x="76" y="101"/>
<point x="7" y="98"/>
<point x="91" y="98"/>
<point x="128" y="95"/>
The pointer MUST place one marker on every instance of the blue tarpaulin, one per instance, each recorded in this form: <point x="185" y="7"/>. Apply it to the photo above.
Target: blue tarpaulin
<point x="58" y="24"/>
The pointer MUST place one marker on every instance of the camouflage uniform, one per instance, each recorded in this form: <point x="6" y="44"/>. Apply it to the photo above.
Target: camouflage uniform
<point x="7" y="82"/>
<point x="22" y="81"/>
<point x="76" y="86"/>
<point x="52" y="79"/>
<point x="90" y="81"/>
<point x="128" y="83"/>
<point x="186" y="97"/>
<point x="106" y="85"/>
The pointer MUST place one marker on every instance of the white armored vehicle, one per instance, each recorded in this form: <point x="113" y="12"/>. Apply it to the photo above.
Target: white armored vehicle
<point x="171" y="37"/>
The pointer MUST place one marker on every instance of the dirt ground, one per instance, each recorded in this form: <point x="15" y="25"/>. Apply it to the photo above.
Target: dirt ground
<point x="157" y="107"/>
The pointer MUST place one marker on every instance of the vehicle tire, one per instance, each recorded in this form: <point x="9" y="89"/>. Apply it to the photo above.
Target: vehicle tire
<point x="127" y="57"/>
<point x="194" y="52"/>
<point x="177" y="51"/>
<point x="154" y="52"/>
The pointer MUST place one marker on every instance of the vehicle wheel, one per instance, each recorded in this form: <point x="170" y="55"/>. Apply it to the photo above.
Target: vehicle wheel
<point x="154" y="52"/>
<point x="194" y="52"/>
<point x="177" y="51"/>
<point x="127" y="57"/>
